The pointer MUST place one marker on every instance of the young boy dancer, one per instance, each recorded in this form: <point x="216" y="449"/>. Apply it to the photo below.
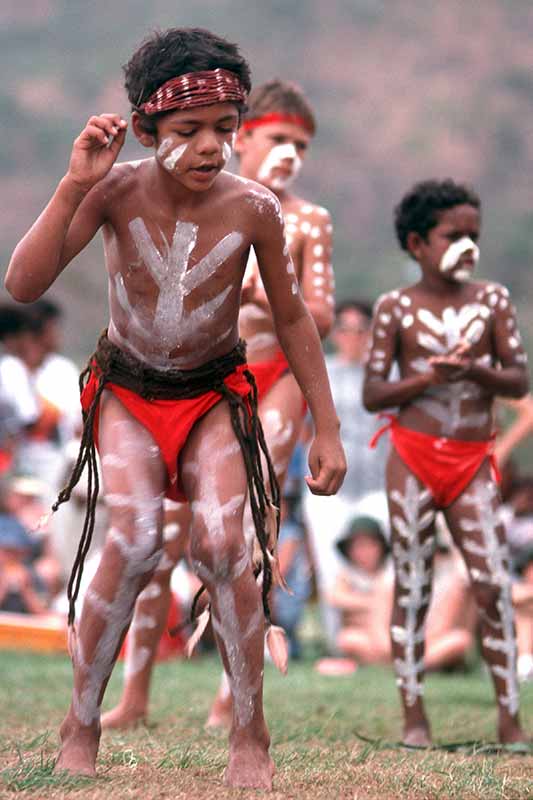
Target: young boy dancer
<point x="271" y="145"/>
<point x="457" y="345"/>
<point x="177" y="232"/>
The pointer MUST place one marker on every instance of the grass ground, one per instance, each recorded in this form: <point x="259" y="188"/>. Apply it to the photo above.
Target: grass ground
<point x="331" y="737"/>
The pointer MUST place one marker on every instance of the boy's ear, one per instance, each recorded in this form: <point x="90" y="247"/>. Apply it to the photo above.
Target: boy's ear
<point x="145" y="138"/>
<point x="413" y="242"/>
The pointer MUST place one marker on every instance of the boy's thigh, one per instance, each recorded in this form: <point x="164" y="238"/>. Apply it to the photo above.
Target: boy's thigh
<point x="212" y="465"/>
<point x="131" y="460"/>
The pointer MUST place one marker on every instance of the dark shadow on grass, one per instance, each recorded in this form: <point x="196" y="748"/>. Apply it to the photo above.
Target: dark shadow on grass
<point x="470" y="748"/>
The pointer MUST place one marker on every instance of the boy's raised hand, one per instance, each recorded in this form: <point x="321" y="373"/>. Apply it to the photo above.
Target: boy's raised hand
<point x="96" y="149"/>
<point x="327" y="463"/>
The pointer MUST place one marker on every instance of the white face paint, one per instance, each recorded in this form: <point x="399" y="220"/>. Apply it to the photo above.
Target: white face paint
<point x="452" y="256"/>
<point x="227" y="152"/>
<point x="169" y="158"/>
<point x="283" y="156"/>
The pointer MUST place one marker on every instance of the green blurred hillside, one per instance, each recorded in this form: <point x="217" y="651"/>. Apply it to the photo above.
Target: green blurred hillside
<point x="403" y="90"/>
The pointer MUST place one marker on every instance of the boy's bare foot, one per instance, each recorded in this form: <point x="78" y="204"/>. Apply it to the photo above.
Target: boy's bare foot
<point x="250" y="765"/>
<point x="221" y="713"/>
<point x="79" y="748"/>
<point x="123" y="716"/>
<point x="417" y="735"/>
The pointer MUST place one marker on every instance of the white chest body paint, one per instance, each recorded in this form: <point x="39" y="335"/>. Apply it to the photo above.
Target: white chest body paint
<point x="171" y="326"/>
<point x="438" y="335"/>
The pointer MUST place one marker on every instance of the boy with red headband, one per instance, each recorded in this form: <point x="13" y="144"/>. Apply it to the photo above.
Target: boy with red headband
<point x="271" y="145"/>
<point x="177" y="232"/>
<point x="457" y="345"/>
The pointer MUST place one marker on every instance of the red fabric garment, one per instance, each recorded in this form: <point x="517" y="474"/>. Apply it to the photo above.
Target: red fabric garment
<point x="169" y="421"/>
<point x="445" y="466"/>
<point x="268" y="119"/>
<point x="267" y="374"/>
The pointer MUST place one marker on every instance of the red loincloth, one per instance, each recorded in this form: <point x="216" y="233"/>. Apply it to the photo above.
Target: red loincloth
<point x="267" y="374"/>
<point x="169" y="421"/>
<point x="445" y="466"/>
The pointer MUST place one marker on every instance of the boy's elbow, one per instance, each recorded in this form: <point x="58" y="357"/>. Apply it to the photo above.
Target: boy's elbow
<point x="19" y="291"/>
<point x="370" y="399"/>
<point x="523" y="387"/>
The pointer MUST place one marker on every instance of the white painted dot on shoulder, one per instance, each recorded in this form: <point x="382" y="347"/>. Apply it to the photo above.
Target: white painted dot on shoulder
<point x="318" y="266"/>
<point x="315" y="232"/>
<point x="306" y="209"/>
<point x="405" y="301"/>
<point x="407" y="321"/>
<point x="305" y="227"/>
<point x="385" y="318"/>
<point x="318" y="250"/>
<point x="292" y="218"/>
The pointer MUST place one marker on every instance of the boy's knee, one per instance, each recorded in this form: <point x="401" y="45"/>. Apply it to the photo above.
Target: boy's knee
<point x="218" y="558"/>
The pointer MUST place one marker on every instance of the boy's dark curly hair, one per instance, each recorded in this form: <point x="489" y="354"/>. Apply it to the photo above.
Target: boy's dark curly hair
<point x="173" y="52"/>
<point x="280" y="96"/>
<point x="420" y="209"/>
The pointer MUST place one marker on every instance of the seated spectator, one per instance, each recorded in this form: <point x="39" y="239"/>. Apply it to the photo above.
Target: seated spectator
<point x="364" y="592"/>
<point x="21" y="590"/>
<point x="24" y="499"/>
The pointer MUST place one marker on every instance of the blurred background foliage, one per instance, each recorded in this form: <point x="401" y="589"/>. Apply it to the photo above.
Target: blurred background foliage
<point x="403" y="91"/>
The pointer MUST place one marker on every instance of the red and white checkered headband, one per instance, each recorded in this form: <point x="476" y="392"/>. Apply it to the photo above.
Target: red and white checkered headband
<point x="196" y="89"/>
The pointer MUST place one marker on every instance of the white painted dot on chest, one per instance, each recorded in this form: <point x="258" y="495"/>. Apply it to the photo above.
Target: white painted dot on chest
<point x="407" y="321"/>
<point x="305" y="227"/>
<point x="294" y="218"/>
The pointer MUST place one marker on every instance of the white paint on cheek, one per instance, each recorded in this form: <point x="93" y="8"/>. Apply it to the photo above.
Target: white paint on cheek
<point x="451" y="257"/>
<point x="282" y="156"/>
<point x="226" y="152"/>
<point x="173" y="158"/>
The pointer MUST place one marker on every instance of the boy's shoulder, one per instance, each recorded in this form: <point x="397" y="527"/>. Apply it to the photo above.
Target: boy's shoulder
<point x="256" y="197"/>
<point x="305" y="215"/>
<point x="393" y="301"/>
<point x="491" y="293"/>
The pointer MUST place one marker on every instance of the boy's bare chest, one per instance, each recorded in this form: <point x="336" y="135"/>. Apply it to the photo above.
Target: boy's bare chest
<point x="156" y="253"/>
<point x="439" y="328"/>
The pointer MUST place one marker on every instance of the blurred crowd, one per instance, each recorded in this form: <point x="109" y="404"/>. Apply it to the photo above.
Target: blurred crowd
<point x="333" y="551"/>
